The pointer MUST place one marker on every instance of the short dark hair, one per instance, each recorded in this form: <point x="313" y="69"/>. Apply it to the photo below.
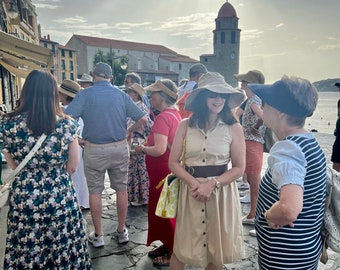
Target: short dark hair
<point x="134" y="77"/>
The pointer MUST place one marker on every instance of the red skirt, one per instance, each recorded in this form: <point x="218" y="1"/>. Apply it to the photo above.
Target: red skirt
<point x="162" y="229"/>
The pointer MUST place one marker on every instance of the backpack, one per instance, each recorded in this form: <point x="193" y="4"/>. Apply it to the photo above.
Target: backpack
<point x="330" y="229"/>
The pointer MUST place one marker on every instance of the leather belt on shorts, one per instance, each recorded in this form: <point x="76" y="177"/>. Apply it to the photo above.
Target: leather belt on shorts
<point x="206" y="171"/>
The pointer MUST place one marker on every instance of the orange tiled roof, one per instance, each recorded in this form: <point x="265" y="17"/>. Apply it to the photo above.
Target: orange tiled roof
<point x="179" y="58"/>
<point x="124" y="45"/>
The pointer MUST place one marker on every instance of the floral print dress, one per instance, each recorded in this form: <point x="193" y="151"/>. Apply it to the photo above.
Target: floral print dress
<point x="45" y="228"/>
<point x="138" y="181"/>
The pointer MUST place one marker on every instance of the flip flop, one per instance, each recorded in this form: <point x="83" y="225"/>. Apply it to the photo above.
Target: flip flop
<point x="162" y="260"/>
<point x="160" y="251"/>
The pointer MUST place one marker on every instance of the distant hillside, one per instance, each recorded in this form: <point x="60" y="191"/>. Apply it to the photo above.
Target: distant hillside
<point x="326" y="85"/>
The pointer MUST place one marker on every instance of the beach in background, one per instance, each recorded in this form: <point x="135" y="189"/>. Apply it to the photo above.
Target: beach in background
<point x="325" y="115"/>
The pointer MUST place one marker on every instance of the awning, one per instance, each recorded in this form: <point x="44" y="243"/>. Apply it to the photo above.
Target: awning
<point x="18" y="72"/>
<point x="23" y="56"/>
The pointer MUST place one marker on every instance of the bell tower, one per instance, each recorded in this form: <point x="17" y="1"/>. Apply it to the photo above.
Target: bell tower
<point x="226" y="44"/>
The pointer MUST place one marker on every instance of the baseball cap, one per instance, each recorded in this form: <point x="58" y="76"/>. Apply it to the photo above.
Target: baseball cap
<point x="103" y="70"/>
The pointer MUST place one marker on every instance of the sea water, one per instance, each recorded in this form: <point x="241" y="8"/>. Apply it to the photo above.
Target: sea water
<point x="325" y="115"/>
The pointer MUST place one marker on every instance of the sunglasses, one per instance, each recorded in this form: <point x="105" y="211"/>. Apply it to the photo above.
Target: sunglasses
<point x="216" y="95"/>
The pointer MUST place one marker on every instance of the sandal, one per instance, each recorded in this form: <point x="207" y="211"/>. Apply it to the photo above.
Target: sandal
<point x="160" y="251"/>
<point x="162" y="260"/>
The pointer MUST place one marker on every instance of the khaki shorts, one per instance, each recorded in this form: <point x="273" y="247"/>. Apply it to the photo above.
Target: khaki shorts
<point x="112" y="158"/>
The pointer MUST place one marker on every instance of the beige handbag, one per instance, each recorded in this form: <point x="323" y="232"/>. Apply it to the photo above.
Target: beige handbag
<point x="168" y="199"/>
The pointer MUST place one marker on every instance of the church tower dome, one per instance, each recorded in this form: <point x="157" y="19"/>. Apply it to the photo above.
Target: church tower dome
<point x="226" y="44"/>
<point x="227" y="10"/>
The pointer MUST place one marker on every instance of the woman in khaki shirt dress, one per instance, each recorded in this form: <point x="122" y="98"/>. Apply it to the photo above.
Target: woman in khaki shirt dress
<point x="208" y="223"/>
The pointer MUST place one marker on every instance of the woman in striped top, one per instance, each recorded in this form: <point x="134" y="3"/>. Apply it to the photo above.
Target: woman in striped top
<point x="292" y="193"/>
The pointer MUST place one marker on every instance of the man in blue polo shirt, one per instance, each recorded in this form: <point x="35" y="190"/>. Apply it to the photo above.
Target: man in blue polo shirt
<point x="104" y="110"/>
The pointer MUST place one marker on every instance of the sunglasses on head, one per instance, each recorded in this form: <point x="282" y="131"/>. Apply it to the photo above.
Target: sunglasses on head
<point x="216" y="95"/>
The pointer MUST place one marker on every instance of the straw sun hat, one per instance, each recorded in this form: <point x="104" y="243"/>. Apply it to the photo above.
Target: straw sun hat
<point x="138" y="89"/>
<point x="69" y="88"/>
<point x="214" y="82"/>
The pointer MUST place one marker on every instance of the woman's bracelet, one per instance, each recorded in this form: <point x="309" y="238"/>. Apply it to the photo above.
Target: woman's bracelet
<point x="266" y="214"/>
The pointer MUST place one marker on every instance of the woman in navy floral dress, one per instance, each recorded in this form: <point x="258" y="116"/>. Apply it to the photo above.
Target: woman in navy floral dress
<point x="138" y="184"/>
<point x="45" y="225"/>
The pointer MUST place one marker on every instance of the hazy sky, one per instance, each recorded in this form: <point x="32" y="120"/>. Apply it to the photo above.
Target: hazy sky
<point x="293" y="37"/>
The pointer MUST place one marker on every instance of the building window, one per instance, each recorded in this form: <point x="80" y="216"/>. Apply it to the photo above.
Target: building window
<point x="63" y="77"/>
<point x="180" y="66"/>
<point x="70" y="53"/>
<point x="45" y="44"/>
<point x="53" y="48"/>
<point x="71" y="65"/>
<point x="63" y="53"/>
<point x="222" y="38"/>
<point x="63" y="64"/>
<point x="71" y="76"/>
<point x="233" y="37"/>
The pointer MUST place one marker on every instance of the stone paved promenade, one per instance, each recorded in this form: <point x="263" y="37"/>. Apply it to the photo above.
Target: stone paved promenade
<point x="134" y="254"/>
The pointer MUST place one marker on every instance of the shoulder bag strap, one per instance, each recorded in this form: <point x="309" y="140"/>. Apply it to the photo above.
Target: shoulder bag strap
<point x="181" y="158"/>
<point x="13" y="173"/>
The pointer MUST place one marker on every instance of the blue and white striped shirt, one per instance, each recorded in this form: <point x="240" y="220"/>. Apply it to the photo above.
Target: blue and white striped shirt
<point x="296" y="160"/>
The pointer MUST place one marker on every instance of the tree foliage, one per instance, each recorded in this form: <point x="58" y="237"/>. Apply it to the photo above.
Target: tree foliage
<point x="116" y="65"/>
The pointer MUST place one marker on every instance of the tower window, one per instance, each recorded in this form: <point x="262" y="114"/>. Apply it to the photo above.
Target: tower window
<point x="233" y="37"/>
<point x="222" y="37"/>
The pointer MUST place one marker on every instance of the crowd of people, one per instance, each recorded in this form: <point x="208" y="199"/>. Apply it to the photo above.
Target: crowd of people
<point x="137" y="137"/>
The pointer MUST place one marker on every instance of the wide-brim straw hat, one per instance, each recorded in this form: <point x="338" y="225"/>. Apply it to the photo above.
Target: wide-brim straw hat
<point x="159" y="86"/>
<point x="69" y="88"/>
<point x="138" y="89"/>
<point x="214" y="82"/>
<point x="85" y="78"/>
<point x="252" y="76"/>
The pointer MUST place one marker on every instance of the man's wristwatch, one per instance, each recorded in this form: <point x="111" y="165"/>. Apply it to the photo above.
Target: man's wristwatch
<point x="143" y="150"/>
<point x="217" y="184"/>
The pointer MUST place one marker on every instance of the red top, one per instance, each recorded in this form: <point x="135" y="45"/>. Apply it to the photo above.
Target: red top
<point x="162" y="229"/>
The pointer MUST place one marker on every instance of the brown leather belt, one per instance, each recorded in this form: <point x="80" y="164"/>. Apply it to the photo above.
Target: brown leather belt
<point x="206" y="171"/>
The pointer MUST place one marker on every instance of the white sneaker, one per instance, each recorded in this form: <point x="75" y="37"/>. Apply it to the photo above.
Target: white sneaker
<point x="137" y="204"/>
<point x="243" y="186"/>
<point x="123" y="237"/>
<point x="249" y="221"/>
<point x="96" y="241"/>
<point x="252" y="233"/>
<point x="245" y="199"/>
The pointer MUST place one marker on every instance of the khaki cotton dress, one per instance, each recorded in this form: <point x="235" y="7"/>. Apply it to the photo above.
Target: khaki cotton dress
<point x="209" y="232"/>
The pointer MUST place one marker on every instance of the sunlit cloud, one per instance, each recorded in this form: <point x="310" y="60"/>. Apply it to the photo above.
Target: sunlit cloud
<point x="279" y="25"/>
<point x="71" y="20"/>
<point x="80" y="23"/>
<point x="329" y="47"/>
<point x="47" y="4"/>
<point x="199" y="25"/>
<point x="126" y="25"/>
<point x="265" y="55"/>
<point x="251" y="34"/>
